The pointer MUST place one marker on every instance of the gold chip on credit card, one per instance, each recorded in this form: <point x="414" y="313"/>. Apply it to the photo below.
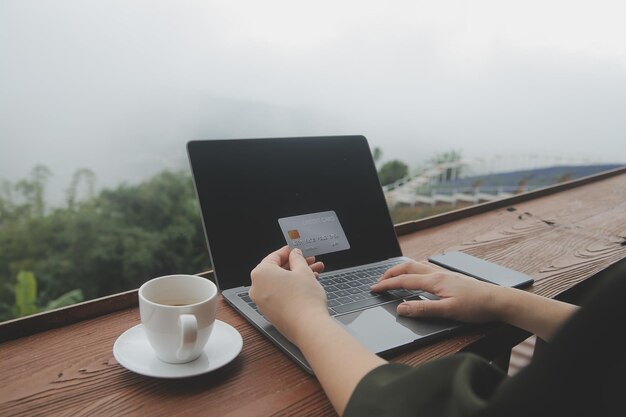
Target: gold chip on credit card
<point x="293" y="234"/>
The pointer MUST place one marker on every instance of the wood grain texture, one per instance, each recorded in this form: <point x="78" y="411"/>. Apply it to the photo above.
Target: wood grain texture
<point x="447" y="217"/>
<point x="560" y="239"/>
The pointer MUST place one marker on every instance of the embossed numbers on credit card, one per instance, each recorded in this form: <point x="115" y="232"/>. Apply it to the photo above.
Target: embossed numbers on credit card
<point x="315" y="233"/>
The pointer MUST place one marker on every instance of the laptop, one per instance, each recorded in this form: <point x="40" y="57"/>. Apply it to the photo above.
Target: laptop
<point x="321" y="194"/>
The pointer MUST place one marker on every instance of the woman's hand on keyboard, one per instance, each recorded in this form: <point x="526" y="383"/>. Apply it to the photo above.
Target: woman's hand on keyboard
<point x="468" y="299"/>
<point x="460" y="297"/>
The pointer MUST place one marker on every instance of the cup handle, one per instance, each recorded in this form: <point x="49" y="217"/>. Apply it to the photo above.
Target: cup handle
<point x="188" y="336"/>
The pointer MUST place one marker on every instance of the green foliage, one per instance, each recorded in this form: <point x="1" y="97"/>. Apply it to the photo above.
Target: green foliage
<point x="392" y="171"/>
<point x="102" y="244"/>
<point x="69" y="298"/>
<point x="83" y="175"/>
<point x="25" y="294"/>
<point x="377" y="154"/>
<point x="25" y="199"/>
<point x="25" y="291"/>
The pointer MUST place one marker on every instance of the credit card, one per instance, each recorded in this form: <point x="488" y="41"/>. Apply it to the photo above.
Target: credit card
<point x="314" y="234"/>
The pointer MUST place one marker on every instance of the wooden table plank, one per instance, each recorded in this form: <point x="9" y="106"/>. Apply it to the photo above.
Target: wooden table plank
<point x="560" y="239"/>
<point x="591" y="225"/>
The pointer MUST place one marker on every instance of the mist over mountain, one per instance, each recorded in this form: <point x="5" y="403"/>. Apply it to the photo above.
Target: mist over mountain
<point x="119" y="87"/>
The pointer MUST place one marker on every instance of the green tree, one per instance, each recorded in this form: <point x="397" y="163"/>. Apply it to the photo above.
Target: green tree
<point x="25" y="199"/>
<point x="25" y="294"/>
<point x="85" y="176"/>
<point x="392" y="171"/>
<point x="103" y="243"/>
<point x="377" y="154"/>
<point x="26" y="299"/>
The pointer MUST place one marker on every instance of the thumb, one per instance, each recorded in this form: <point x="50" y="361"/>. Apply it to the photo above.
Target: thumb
<point x="297" y="260"/>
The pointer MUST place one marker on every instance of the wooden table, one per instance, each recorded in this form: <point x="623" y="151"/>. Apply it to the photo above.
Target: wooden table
<point x="61" y="363"/>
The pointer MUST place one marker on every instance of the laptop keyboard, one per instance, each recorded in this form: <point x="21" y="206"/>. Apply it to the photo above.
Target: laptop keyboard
<point x="350" y="291"/>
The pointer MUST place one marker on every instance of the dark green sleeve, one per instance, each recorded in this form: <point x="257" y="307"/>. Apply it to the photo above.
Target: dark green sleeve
<point x="460" y="385"/>
<point x="580" y="373"/>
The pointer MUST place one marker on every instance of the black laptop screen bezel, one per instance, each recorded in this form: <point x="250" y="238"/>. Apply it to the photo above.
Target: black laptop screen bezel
<point x="245" y="185"/>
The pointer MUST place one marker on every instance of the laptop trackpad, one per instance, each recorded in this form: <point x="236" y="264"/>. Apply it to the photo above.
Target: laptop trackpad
<point x="380" y="329"/>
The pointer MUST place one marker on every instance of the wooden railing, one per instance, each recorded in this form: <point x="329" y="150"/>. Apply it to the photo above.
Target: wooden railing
<point x="61" y="362"/>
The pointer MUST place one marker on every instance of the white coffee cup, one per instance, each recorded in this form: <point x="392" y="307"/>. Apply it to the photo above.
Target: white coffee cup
<point x="178" y="313"/>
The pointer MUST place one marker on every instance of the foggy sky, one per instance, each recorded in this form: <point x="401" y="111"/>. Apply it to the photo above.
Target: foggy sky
<point x="121" y="86"/>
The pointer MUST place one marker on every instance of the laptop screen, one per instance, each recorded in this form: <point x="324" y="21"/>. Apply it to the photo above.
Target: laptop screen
<point x="246" y="186"/>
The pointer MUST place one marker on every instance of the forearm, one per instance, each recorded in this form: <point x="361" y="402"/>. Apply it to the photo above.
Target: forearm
<point x="533" y="313"/>
<point x="338" y="360"/>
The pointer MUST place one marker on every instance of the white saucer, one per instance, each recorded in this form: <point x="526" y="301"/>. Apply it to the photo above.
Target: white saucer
<point x="133" y="351"/>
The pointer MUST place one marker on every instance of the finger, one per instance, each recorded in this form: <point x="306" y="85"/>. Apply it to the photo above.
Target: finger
<point x="423" y="267"/>
<point x="309" y="260"/>
<point x="278" y="257"/>
<point x="425" y="282"/>
<point x="395" y="270"/>
<point x="424" y="308"/>
<point x="297" y="261"/>
<point x="409" y="267"/>
<point x="317" y="267"/>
